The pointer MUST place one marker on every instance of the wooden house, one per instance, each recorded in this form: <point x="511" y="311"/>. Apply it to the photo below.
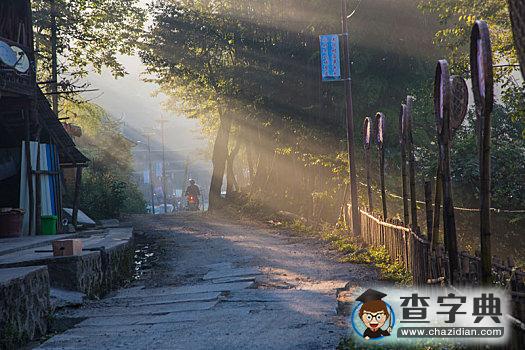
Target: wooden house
<point x="32" y="139"/>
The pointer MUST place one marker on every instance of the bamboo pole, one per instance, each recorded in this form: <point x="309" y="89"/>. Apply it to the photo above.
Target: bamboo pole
<point x="442" y="95"/>
<point x="367" y="131"/>
<point x="379" y="128"/>
<point x="428" y="207"/>
<point x="411" y="164"/>
<point x="483" y="85"/>
<point x="437" y="205"/>
<point x="402" y="142"/>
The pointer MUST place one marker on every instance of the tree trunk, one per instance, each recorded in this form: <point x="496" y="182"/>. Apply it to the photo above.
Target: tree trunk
<point x="249" y="159"/>
<point x="220" y="155"/>
<point x="263" y="164"/>
<point x="231" y="182"/>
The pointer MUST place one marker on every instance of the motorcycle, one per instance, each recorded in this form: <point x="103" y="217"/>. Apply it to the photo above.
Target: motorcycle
<point x="193" y="203"/>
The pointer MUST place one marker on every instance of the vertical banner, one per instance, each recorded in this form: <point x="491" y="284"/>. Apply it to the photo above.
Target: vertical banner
<point x="330" y="59"/>
<point x="146" y="176"/>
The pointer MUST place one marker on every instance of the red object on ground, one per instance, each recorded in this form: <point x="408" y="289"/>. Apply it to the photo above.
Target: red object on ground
<point x="11" y="223"/>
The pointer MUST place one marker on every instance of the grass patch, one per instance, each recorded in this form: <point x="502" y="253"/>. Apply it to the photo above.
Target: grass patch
<point x="300" y="227"/>
<point x="379" y="257"/>
<point x="355" y="253"/>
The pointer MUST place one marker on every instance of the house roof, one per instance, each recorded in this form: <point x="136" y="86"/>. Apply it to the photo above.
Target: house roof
<point x="68" y="151"/>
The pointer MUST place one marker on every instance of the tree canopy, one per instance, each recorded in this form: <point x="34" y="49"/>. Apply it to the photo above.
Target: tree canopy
<point x="91" y="34"/>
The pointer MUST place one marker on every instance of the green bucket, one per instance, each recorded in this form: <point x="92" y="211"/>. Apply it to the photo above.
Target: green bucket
<point x="48" y="224"/>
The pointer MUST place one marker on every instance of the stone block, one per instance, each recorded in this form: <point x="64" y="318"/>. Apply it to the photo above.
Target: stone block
<point x="67" y="247"/>
<point x="104" y="265"/>
<point x="81" y="273"/>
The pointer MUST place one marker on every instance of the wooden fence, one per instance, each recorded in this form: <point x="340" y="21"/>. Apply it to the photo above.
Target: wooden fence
<point x="430" y="266"/>
<point x="402" y="244"/>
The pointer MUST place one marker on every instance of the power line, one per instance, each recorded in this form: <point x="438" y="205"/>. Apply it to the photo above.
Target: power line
<point x="496" y="210"/>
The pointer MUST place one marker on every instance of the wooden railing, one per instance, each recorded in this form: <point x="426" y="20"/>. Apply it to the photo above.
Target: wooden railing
<point x="403" y="245"/>
<point x="429" y="265"/>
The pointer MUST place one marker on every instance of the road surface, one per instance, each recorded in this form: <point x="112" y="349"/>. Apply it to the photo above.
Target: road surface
<point x="206" y="283"/>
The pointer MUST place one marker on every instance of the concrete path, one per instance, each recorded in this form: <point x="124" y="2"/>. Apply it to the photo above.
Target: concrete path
<point x="208" y="284"/>
<point x="40" y="248"/>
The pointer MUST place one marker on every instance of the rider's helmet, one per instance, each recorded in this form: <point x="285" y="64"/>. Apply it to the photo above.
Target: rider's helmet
<point x="192" y="181"/>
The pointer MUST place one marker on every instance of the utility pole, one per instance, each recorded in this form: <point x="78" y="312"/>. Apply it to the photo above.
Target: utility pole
<point x="356" y="217"/>
<point x="162" y="121"/>
<point x="54" y="58"/>
<point x="152" y="188"/>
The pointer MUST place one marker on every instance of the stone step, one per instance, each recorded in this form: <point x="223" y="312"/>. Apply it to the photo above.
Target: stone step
<point x="112" y="321"/>
<point x="190" y="289"/>
<point x="223" y="273"/>
<point x="167" y="299"/>
<point x="148" y="310"/>
<point x="234" y="279"/>
<point x="66" y="298"/>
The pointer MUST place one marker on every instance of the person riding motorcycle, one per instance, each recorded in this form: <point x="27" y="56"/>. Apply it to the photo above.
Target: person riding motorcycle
<point x="192" y="194"/>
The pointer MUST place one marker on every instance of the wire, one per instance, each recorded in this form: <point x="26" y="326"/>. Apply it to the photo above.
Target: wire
<point x="496" y="210"/>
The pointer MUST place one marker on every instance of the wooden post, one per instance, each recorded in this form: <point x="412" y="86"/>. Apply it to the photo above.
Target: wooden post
<point x="38" y="192"/>
<point x="344" y="207"/>
<point x="402" y="143"/>
<point x="367" y="132"/>
<point x="483" y="87"/>
<point x="459" y="111"/>
<point x="29" y="171"/>
<point x="379" y="135"/>
<point x="428" y="207"/>
<point x="76" y="198"/>
<point x="411" y="164"/>
<point x="437" y="205"/>
<point x="442" y="104"/>
<point x="58" y="185"/>
<point x="356" y="218"/>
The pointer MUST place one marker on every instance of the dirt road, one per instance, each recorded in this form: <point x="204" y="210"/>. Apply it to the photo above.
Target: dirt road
<point x="205" y="283"/>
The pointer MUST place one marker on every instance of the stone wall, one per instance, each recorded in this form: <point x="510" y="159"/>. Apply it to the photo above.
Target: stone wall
<point x="24" y="305"/>
<point x="119" y="265"/>
<point x="94" y="273"/>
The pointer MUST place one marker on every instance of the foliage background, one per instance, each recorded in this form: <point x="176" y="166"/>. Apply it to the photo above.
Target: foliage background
<point x="108" y="189"/>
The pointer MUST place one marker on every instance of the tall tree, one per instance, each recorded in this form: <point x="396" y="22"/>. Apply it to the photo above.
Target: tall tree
<point x="259" y="60"/>
<point x="91" y="34"/>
